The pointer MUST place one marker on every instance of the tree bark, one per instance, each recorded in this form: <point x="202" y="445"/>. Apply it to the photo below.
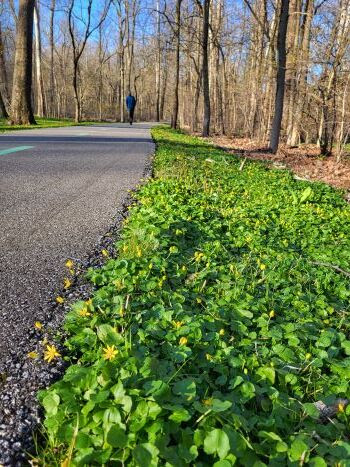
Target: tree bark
<point x="175" y="113"/>
<point x="52" y="45"/>
<point x="205" y="69"/>
<point x="21" y="108"/>
<point x="280" y="79"/>
<point x="5" y="100"/>
<point x="158" y="70"/>
<point x="41" y="109"/>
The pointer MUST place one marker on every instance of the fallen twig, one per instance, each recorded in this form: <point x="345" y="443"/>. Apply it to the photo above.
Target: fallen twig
<point x="333" y="266"/>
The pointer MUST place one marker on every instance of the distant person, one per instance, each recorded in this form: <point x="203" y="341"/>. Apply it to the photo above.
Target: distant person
<point x="130" y="104"/>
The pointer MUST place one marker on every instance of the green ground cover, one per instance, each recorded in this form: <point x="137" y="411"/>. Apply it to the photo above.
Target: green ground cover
<point x="213" y="333"/>
<point x="41" y="123"/>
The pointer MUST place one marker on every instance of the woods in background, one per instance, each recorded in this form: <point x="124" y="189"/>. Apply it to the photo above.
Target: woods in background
<point x="258" y="69"/>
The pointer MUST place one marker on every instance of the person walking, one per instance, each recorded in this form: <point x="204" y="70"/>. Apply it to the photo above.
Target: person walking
<point x="130" y="105"/>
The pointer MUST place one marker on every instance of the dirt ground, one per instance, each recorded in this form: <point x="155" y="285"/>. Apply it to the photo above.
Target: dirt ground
<point x="305" y="161"/>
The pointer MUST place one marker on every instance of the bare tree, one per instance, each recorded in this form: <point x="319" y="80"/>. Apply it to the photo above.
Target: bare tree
<point x="21" y="105"/>
<point x="41" y="102"/>
<point x="177" y="34"/>
<point x="280" y="79"/>
<point x="4" y="96"/>
<point x="52" y="46"/>
<point x="205" y="69"/>
<point x="78" y="45"/>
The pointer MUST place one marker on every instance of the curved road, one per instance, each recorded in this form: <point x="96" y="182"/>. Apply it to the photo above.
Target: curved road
<point x="59" y="189"/>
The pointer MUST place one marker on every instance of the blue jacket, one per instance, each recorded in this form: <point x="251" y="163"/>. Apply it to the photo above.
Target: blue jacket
<point x="130" y="102"/>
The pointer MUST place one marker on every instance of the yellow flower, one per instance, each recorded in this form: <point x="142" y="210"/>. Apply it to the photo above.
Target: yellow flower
<point x="59" y="300"/>
<point x="138" y="252"/>
<point x="262" y="267"/>
<point x="221" y="332"/>
<point x="272" y="314"/>
<point x="198" y="256"/>
<point x="66" y="283"/>
<point x="33" y="355"/>
<point x="183" y="341"/>
<point x="88" y="302"/>
<point x="184" y="269"/>
<point x="308" y="356"/>
<point x="105" y="253"/>
<point x="38" y="325"/>
<point x="84" y="312"/>
<point x="69" y="264"/>
<point x="51" y="353"/>
<point x="208" y="401"/>
<point x="178" y="324"/>
<point x="110" y="352"/>
<point x="121" y="311"/>
<point x="341" y="407"/>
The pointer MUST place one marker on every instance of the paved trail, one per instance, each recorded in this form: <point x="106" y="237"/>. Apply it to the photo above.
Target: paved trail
<point x="59" y="189"/>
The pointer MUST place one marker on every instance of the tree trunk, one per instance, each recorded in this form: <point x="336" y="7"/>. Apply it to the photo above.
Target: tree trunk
<point x="21" y="108"/>
<point x="76" y="93"/>
<point x="52" y="44"/>
<point x="280" y="79"/>
<point x="205" y="69"/>
<point x="38" y="59"/>
<point x="3" y="111"/>
<point x="158" y="70"/>
<point x="175" y="113"/>
<point x="3" y="81"/>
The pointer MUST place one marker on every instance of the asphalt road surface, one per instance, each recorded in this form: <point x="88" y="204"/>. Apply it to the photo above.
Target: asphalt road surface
<point x="59" y="189"/>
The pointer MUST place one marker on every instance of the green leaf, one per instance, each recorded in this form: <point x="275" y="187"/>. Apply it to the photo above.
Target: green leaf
<point x="185" y="388"/>
<point x="247" y="390"/>
<point x="237" y="380"/>
<point x="217" y="442"/>
<point x="108" y="335"/>
<point x="268" y="373"/>
<point x="222" y="463"/>
<point x="156" y="388"/>
<point x="317" y="462"/>
<point x="305" y="194"/>
<point x="269" y="435"/>
<point x="144" y="454"/>
<point x="220" y="406"/>
<point x="51" y="403"/>
<point x="297" y="450"/>
<point x="180" y="415"/>
<point x="116" y="437"/>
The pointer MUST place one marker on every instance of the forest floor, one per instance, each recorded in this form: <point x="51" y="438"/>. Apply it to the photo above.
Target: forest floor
<point x="216" y="334"/>
<point x="304" y="161"/>
<point x="42" y="123"/>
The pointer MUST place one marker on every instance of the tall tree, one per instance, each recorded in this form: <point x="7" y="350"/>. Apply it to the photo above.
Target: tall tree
<point x="4" y="97"/>
<point x="205" y="69"/>
<point x="78" y="45"/>
<point x="21" y="106"/>
<point x="280" y="79"/>
<point x="41" y="102"/>
<point x="52" y="46"/>
<point x="175" y="112"/>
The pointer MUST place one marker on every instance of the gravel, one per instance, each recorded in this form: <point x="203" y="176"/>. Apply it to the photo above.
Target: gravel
<point x="22" y="377"/>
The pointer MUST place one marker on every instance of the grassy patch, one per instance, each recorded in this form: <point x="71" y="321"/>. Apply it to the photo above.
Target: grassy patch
<point x="41" y="123"/>
<point x="222" y="321"/>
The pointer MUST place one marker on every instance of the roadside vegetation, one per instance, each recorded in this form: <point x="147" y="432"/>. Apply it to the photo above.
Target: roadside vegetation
<point x="220" y="324"/>
<point x="41" y="123"/>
